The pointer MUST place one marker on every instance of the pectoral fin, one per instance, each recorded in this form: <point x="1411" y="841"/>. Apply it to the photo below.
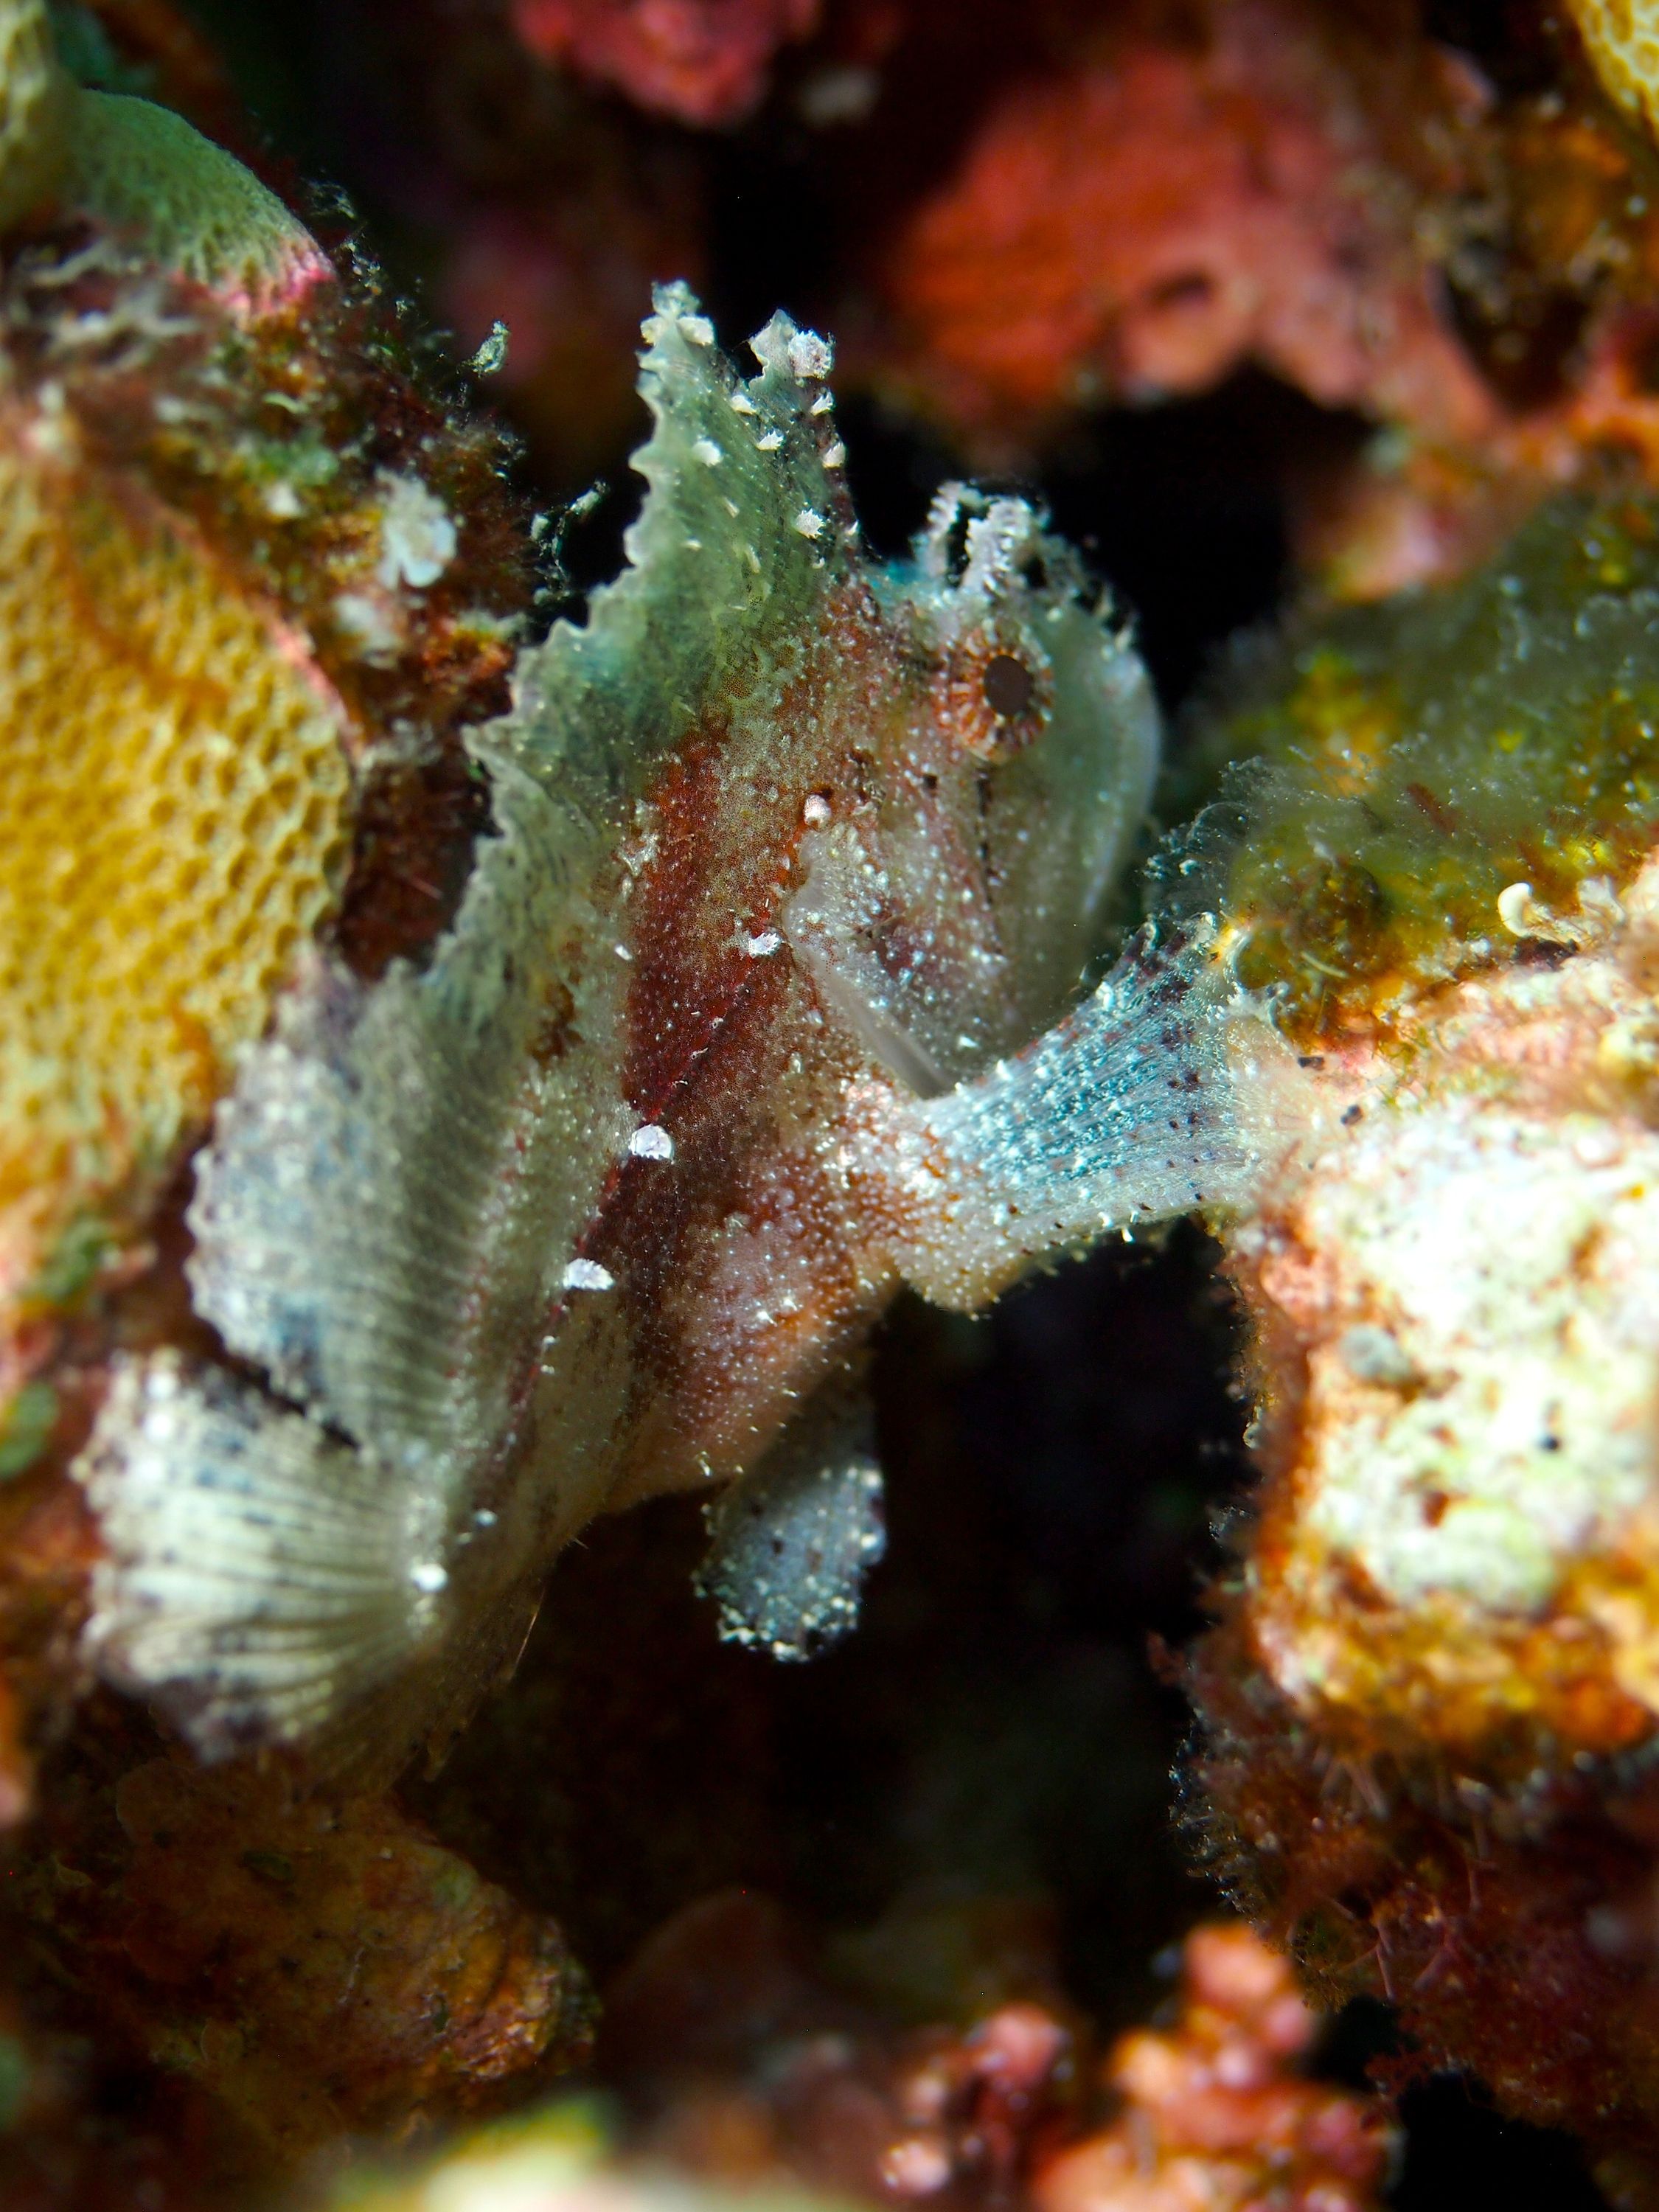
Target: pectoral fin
<point x="790" y="1545"/>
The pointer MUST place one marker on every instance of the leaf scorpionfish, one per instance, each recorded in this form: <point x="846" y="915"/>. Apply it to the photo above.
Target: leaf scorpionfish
<point x="791" y="856"/>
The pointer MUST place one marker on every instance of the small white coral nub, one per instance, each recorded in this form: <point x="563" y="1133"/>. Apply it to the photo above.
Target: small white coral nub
<point x="418" y="536"/>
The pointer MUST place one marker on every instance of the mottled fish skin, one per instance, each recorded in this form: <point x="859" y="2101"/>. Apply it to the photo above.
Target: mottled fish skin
<point x="793" y="855"/>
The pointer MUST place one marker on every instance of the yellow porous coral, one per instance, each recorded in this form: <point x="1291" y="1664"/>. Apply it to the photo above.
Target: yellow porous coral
<point x="172" y="823"/>
<point x="1623" y="39"/>
<point x="174" y="819"/>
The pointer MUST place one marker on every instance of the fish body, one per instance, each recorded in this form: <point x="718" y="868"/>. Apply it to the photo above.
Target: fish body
<point x="788" y="850"/>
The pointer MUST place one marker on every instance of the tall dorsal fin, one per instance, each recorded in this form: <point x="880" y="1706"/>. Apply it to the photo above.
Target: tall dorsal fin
<point x="387" y="1213"/>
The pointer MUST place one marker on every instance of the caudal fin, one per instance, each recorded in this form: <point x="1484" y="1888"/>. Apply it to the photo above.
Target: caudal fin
<point x="261" y="1577"/>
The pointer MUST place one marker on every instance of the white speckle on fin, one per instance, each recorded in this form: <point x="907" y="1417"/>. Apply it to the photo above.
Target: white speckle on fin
<point x="790" y="1545"/>
<point x="811" y="356"/>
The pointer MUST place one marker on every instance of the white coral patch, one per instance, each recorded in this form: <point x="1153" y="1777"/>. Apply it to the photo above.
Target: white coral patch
<point x="1509" y="1269"/>
<point x="366" y="620"/>
<point x="417" y="533"/>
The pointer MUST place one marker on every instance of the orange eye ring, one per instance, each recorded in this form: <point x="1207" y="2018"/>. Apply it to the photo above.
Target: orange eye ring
<point x="996" y="696"/>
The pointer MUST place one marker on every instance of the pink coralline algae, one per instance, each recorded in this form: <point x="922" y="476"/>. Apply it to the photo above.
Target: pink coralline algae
<point x="700" y="61"/>
<point x="778" y="2093"/>
<point x="1069" y="258"/>
<point x="740" y="2061"/>
<point x="1215" y="2116"/>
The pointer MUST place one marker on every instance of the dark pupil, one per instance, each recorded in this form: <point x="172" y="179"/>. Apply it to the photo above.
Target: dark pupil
<point x="1009" y="689"/>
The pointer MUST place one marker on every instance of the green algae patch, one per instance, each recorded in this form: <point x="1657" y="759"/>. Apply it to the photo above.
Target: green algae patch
<point x="14" y="2072"/>
<point x="1418" y="759"/>
<point x="25" y="1429"/>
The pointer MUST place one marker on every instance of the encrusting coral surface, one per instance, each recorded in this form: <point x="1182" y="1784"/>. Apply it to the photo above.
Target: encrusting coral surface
<point x="703" y="61"/>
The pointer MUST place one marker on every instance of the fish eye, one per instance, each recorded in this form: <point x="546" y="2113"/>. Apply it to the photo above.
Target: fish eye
<point x="1009" y="686"/>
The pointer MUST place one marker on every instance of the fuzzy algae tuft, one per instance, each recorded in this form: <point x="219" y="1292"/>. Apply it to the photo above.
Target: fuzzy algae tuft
<point x="1412" y="761"/>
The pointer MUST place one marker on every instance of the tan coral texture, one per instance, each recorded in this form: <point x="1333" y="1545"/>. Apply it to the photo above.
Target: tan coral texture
<point x="1458" y="1303"/>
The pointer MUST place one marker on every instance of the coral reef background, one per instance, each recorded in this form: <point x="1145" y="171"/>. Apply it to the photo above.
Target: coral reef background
<point x="1378" y="280"/>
